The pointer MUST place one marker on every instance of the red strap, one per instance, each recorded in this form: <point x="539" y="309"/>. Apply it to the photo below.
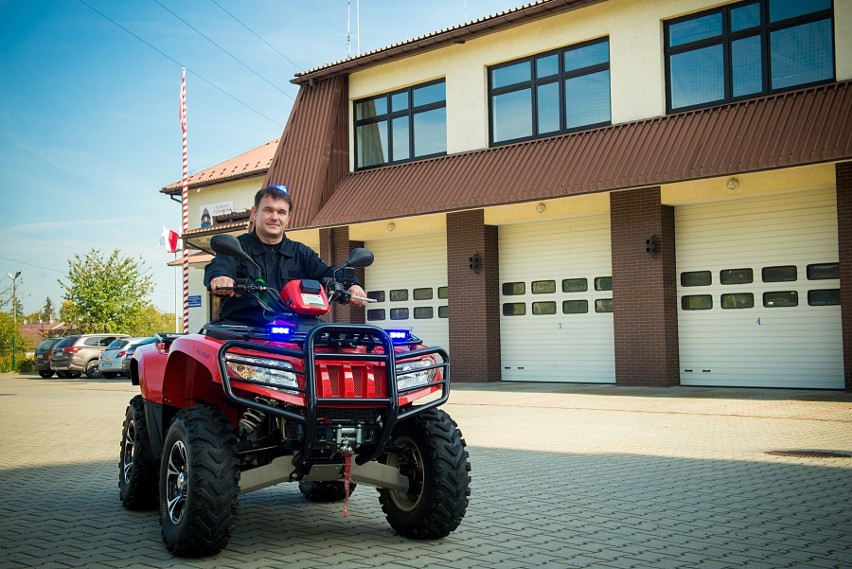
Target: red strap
<point x="347" y="474"/>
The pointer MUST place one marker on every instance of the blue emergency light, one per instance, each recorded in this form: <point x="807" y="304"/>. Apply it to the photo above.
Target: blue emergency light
<point x="280" y="329"/>
<point x="399" y="336"/>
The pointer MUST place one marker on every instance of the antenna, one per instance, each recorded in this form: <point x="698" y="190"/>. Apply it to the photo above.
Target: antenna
<point x="349" y="25"/>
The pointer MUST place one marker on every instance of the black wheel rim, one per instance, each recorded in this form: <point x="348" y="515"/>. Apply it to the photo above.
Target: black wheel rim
<point x="93" y="371"/>
<point x="176" y="483"/>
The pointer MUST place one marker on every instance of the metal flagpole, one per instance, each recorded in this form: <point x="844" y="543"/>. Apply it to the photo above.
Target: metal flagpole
<point x="184" y="194"/>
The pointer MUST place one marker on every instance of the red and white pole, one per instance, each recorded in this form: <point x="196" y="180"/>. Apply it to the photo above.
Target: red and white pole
<point x="184" y="194"/>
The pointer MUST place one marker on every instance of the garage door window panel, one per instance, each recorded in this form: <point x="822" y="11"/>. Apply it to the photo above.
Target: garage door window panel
<point x="399" y="295"/>
<point x="696" y="302"/>
<point x="737" y="301"/>
<point x="376" y="314"/>
<point x="575" y="306"/>
<point x="543" y="308"/>
<point x="780" y="274"/>
<point x="575" y="285"/>
<point x="423" y="312"/>
<point x="736" y="276"/>
<point x="824" y="297"/>
<point x="603" y="283"/>
<point x="603" y="305"/>
<point x="787" y="299"/>
<point x="399" y="314"/>
<point x="515" y="288"/>
<point x="819" y="271"/>
<point x="543" y="287"/>
<point x="696" y="278"/>
<point x="514" y="309"/>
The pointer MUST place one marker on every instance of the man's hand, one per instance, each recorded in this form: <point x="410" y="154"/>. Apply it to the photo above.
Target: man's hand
<point x="356" y="290"/>
<point x="222" y="282"/>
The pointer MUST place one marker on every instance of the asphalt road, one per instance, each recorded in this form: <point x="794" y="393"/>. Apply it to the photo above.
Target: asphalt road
<point x="564" y="475"/>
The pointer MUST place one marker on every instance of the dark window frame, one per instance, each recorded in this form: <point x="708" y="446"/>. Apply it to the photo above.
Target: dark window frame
<point x="535" y="82"/>
<point x="410" y="111"/>
<point x="727" y="37"/>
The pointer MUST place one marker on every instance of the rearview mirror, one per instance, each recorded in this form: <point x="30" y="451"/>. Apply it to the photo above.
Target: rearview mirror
<point x="230" y="245"/>
<point x="359" y="257"/>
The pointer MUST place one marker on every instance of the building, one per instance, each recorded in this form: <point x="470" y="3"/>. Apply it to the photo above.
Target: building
<point x="641" y="192"/>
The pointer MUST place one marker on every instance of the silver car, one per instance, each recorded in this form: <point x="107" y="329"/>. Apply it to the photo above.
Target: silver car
<point x="113" y="358"/>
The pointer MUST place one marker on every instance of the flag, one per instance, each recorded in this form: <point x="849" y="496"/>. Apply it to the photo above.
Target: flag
<point x="169" y="240"/>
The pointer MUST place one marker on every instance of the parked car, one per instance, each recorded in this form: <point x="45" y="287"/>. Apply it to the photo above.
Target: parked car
<point x="131" y="349"/>
<point x="41" y="362"/>
<point x="112" y="359"/>
<point x="80" y="353"/>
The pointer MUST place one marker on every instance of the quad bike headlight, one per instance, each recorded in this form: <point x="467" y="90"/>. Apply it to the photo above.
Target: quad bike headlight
<point x="413" y="374"/>
<point x="276" y="373"/>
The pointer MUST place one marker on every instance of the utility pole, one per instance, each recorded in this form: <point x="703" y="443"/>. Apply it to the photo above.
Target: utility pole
<point x="14" y="317"/>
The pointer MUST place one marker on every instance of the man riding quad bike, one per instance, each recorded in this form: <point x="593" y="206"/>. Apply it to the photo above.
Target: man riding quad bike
<point x="240" y="407"/>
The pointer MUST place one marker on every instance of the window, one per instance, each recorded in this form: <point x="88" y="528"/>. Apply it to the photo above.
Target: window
<point x="780" y="299"/>
<point x="603" y="305"/>
<point x="543" y="308"/>
<point x="603" y="283"/>
<point x="780" y="274"/>
<point x="423" y="294"/>
<point x="821" y="271"/>
<point x="550" y="93"/>
<point x="737" y="301"/>
<point x="575" y="285"/>
<point x="377" y="295"/>
<point x="510" y="289"/>
<point x="399" y="314"/>
<point x="543" y="287"/>
<point x="443" y="292"/>
<point x="443" y="312"/>
<point x="736" y="276"/>
<point x="514" y="309"/>
<point x="696" y="302"/>
<point x="399" y="295"/>
<point x="575" y="306"/>
<point x="747" y="49"/>
<point x="376" y="314"/>
<point x="696" y="278"/>
<point x="423" y="312"/>
<point x="401" y="126"/>
<point x="827" y="297"/>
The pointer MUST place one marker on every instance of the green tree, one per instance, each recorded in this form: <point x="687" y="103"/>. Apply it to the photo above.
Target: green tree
<point x="149" y="321"/>
<point x="7" y="332"/>
<point x="106" y="295"/>
<point x="48" y="312"/>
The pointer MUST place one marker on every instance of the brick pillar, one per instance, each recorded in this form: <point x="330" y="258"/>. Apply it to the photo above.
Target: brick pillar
<point x="843" y="173"/>
<point x="334" y="249"/>
<point x="644" y="290"/>
<point x="474" y="302"/>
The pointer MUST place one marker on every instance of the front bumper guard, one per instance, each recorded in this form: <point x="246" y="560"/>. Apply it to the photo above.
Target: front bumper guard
<point x="325" y="335"/>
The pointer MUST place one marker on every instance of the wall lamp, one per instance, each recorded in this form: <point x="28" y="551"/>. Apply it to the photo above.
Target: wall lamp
<point x="651" y="245"/>
<point x="475" y="263"/>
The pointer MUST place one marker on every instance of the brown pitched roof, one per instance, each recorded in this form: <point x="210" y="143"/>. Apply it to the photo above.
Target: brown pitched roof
<point x="252" y="163"/>
<point x="790" y="129"/>
<point x="457" y="34"/>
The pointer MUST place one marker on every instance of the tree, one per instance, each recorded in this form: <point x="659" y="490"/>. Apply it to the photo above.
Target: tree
<point x="106" y="295"/>
<point x="149" y="321"/>
<point x="48" y="313"/>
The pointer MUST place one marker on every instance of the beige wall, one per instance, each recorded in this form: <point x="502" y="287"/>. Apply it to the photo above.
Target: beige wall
<point x="635" y="29"/>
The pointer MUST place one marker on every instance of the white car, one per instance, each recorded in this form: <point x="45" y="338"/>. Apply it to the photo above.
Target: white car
<point x="113" y="357"/>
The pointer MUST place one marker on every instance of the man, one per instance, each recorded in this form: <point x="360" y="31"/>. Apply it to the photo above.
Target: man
<point x="281" y="260"/>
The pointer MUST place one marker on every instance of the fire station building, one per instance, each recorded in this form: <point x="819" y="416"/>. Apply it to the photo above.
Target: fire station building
<point x="640" y="192"/>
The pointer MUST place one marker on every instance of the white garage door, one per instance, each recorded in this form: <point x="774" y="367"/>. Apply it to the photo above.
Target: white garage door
<point x="409" y="279"/>
<point x="759" y="292"/>
<point x="556" y="301"/>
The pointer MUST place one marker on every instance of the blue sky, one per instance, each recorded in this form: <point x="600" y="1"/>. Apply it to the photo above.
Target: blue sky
<point x="89" y="128"/>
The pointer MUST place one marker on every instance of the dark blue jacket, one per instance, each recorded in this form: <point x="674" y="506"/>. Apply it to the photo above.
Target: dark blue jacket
<point x="280" y="264"/>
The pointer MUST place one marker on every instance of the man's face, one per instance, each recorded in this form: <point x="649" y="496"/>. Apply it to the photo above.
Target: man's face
<point x="271" y="219"/>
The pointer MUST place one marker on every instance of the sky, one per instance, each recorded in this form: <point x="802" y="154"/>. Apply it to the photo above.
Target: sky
<point x="89" y="112"/>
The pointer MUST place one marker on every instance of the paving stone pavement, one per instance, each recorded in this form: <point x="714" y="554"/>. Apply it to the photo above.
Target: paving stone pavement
<point x="564" y="475"/>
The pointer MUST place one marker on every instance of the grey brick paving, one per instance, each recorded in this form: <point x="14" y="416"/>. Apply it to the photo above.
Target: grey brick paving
<point x="564" y="475"/>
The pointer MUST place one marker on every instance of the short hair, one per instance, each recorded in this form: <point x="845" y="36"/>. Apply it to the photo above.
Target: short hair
<point x="276" y="192"/>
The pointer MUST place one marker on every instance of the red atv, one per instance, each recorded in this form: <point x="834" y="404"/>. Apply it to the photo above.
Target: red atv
<point x="237" y="408"/>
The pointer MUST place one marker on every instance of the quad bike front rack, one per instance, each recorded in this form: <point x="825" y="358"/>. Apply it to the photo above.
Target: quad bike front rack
<point x="326" y="335"/>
